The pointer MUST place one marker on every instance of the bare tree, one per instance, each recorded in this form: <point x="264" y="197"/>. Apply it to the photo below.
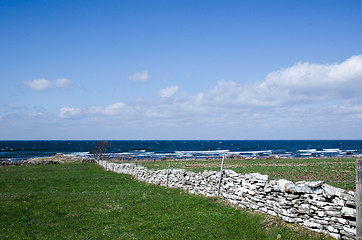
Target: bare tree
<point x="100" y="149"/>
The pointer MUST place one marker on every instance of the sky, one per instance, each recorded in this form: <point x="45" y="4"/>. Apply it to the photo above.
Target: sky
<point x="155" y="69"/>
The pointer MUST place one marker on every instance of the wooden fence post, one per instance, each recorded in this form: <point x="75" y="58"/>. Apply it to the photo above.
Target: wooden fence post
<point x="358" y="199"/>
<point x="221" y="173"/>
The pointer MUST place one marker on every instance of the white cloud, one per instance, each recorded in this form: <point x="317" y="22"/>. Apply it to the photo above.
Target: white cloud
<point x="300" y="83"/>
<point x="140" y="76"/>
<point x="38" y="84"/>
<point x="112" y="109"/>
<point x="348" y="108"/>
<point x="62" y="83"/>
<point x="323" y="79"/>
<point x="168" y="92"/>
<point x="43" y="84"/>
<point x="67" y="112"/>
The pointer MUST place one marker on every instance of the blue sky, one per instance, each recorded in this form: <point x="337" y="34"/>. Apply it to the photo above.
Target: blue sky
<point x="180" y="69"/>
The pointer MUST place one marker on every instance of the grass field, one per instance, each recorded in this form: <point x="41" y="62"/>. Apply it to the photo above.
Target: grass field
<point x="338" y="172"/>
<point x="82" y="201"/>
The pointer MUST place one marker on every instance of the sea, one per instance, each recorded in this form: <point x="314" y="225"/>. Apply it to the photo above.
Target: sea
<point x="184" y="149"/>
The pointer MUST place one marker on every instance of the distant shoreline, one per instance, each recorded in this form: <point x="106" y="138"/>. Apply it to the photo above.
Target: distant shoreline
<point x="63" y="158"/>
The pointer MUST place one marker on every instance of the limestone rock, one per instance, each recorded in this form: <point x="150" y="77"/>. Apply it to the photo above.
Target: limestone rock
<point x="348" y="212"/>
<point x="310" y="224"/>
<point x="314" y="184"/>
<point x="330" y="191"/>
<point x="285" y="185"/>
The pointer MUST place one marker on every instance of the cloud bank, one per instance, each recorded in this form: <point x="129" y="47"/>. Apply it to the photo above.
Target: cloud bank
<point x="333" y="88"/>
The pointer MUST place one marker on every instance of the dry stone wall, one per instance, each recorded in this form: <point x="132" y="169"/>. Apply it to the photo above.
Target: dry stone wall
<point x="27" y="162"/>
<point x="314" y="205"/>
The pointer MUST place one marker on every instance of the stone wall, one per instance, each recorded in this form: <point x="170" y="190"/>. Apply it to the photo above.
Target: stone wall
<point x="27" y="162"/>
<point x="314" y="205"/>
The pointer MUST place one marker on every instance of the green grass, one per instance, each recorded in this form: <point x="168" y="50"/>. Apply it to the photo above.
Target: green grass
<point x="82" y="201"/>
<point x="338" y="172"/>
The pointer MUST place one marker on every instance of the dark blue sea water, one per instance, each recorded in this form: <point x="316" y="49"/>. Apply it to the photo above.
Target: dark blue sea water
<point x="15" y="150"/>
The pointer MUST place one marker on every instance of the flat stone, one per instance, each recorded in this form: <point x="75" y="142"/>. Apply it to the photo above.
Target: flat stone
<point x="285" y="185"/>
<point x="314" y="184"/>
<point x="332" y="229"/>
<point x="346" y="235"/>
<point x="262" y="177"/>
<point x="319" y="203"/>
<point x="330" y="191"/>
<point x="334" y="213"/>
<point x="351" y="203"/>
<point x="321" y="213"/>
<point x="342" y="220"/>
<point x="335" y="235"/>
<point x="304" y="208"/>
<point x="240" y="191"/>
<point x="310" y="224"/>
<point x="351" y="231"/>
<point x="303" y="189"/>
<point x="348" y="212"/>
<point x="288" y="219"/>
<point x="267" y="189"/>
<point x="330" y="208"/>
<point x="270" y="212"/>
<point x="231" y="173"/>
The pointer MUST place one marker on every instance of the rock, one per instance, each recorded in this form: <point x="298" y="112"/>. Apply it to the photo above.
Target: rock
<point x="338" y="202"/>
<point x="285" y="185"/>
<point x="330" y="191"/>
<point x="240" y="191"/>
<point x="288" y="219"/>
<point x="251" y="175"/>
<point x="332" y="229"/>
<point x="342" y="220"/>
<point x="321" y="213"/>
<point x="330" y="208"/>
<point x="314" y="184"/>
<point x="333" y="213"/>
<point x="310" y="224"/>
<point x="335" y="235"/>
<point x="319" y="203"/>
<point x="231" y="173"/>
<point x="304" y="208"/>
<point x="351" y="231"/>
<point x="303" y="189"/>
<point x="262" y="177"/>
<point x="348" y="212"/>
<point x="267" y="188"/>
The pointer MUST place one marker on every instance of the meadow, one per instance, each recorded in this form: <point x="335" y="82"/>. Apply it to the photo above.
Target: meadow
<point x="83" y="201"/>
<point x="338" y="172"/>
